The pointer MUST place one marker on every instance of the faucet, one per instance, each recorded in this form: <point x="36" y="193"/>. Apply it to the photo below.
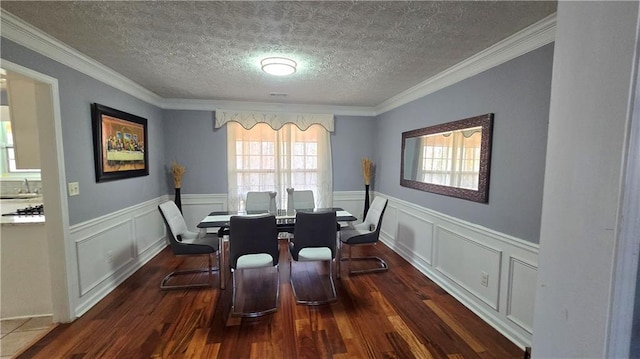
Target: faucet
<point x="26" y="185"/>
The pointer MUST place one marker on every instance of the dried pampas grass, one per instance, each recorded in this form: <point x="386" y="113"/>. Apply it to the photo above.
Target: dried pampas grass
<point x="177" y="171"/>
<point x="367" y="170"/>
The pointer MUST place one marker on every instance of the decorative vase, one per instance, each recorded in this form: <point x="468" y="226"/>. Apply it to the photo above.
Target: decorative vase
<point x="366" y="200"/>
<point x="272" y="203"/>
<point x="177" y="199"/>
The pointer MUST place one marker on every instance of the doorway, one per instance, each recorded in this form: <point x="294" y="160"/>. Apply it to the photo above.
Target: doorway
<point x="53" y="186"/>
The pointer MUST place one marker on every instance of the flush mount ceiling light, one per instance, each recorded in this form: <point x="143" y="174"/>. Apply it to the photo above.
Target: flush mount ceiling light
<point x="278" y="66"/>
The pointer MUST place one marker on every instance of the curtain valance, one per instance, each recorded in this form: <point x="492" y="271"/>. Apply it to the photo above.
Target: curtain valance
<point x="274" y="119"/>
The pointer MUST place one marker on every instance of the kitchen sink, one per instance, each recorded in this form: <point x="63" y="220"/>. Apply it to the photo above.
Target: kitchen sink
<point x="20" y="196"/>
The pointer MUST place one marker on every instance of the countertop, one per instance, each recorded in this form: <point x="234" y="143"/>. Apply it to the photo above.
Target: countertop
<point x="11" y="205"/>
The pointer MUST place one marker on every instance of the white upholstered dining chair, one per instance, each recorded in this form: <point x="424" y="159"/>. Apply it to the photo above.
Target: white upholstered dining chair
<point x="365" y="233"/>
<point x="260" y="202"/>
<point x="185" y="242"/>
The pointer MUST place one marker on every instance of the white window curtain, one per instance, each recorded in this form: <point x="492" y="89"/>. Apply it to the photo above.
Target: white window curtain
<point x="261" y="158"/>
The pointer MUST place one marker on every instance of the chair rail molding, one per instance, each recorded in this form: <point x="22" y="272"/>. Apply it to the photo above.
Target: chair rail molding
<point x="491" y="273"/>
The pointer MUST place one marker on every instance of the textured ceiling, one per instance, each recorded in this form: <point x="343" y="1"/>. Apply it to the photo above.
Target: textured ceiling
<point x="349" y="53"/>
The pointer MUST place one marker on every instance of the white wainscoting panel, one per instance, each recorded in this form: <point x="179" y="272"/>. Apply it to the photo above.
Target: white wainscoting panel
<point x="197" y="206"/>
<point x="522" y="295"/>
<point x="350" y="201"/>
<point x="112" y="247"/>
<point x="103" y="253"/>
<point x="455" y="254"/>
<point x="148" y="228"/>
<point x="464" y="260"/>
<point x="414" y="234"/>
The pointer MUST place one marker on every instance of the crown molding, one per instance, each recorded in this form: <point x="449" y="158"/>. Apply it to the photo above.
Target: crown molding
<point x="23" y="33"/>
<point x="212" y="105"/>
<point x="526" y="40"/>
<point x="537" y="35"/>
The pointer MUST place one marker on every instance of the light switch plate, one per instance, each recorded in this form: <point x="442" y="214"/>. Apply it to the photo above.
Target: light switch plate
<point x="74" y="188"/>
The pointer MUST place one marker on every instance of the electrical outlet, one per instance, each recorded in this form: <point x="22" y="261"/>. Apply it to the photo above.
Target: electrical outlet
<point x="484" y="279"/>
<point x="74" y="188"/>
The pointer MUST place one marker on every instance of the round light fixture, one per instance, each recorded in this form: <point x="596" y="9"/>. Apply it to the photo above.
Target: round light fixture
<point x="278" y="66"/>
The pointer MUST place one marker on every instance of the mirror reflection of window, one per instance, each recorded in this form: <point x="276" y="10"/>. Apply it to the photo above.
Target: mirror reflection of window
<point x="448" y="158"/>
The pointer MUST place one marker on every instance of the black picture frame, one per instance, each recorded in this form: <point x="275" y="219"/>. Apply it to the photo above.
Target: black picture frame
<point x="120" y="144"/>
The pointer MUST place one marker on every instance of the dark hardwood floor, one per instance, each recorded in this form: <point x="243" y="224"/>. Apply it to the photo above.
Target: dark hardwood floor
<point x="394" y="314"/>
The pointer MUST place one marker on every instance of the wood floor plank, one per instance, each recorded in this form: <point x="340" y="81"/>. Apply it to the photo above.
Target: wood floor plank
<point x="395" y="314"/>
<point x="453" y="324"/>
<point x="417" y="348"/>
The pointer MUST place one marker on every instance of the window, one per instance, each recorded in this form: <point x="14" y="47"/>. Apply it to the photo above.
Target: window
<point x="264" y="159"/>
<point x="9" y="154"/>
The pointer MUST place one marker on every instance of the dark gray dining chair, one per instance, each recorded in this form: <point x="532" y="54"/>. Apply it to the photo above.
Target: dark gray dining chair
<point x="186" y="243"/>
<point x="314" y="240"/>
<point x="253" y="243"/>
<point x="365" y="233"/>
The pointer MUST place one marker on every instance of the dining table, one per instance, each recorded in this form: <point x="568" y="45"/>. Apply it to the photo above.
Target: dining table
<point x="285" y="222"/>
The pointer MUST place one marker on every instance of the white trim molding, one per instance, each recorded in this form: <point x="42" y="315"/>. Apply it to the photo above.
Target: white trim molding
<point x="213" y="105"/>
<point x="23" y="33"/>
<point x="491" y="273"/>
<point x="529" y="39"/>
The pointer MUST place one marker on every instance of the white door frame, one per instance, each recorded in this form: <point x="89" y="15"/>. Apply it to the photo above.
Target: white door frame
<point x="628" y="244"/>
<point x="55" y="197"/>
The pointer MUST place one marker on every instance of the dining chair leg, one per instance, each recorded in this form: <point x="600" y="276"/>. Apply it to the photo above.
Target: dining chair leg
<point x="334" y="295"/>
<point x="381" y="264"/>
<point x="222" y="260"/>
<point x="257" y="313"/>
<point x="210" y="269"/>
<point x="349" y="260"/>
<point x="233" y="291"/>
<point x="338" y="255"/>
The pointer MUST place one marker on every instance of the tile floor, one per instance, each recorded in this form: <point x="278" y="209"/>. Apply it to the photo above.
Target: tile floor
<point x="16" y="334"/>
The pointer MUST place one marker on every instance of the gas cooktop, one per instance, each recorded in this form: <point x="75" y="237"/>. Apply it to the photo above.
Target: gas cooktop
<point x="28" y="211"/>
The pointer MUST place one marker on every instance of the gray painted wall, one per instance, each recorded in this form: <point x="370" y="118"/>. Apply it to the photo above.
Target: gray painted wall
<point x="192" y="141"/>
<point x="353" y="139"/>
<point x="77" y="92"/>
<point x="518" y="93"/>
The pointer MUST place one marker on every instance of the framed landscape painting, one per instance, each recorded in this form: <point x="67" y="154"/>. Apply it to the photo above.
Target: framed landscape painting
<point x="119" y="144"/>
